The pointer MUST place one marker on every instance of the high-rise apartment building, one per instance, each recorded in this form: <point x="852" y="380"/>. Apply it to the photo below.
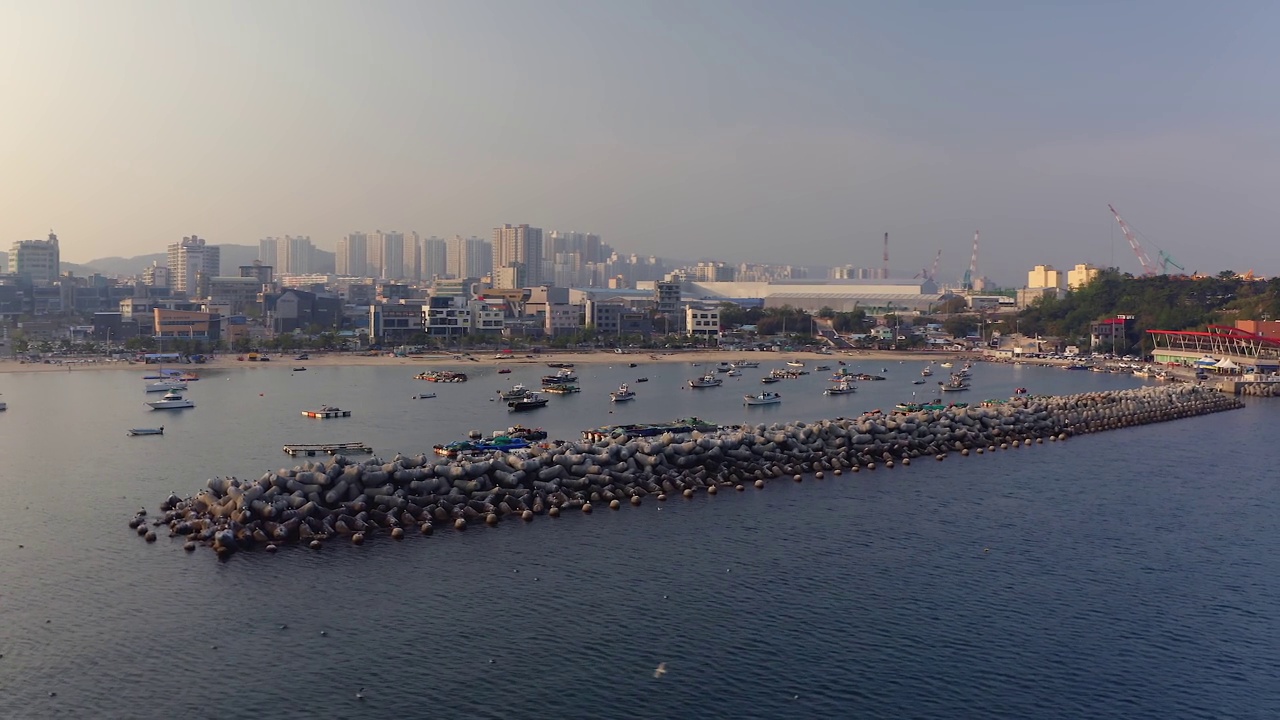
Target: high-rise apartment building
<point x="412" y="257"/>
<point x="294" y="255"/>
<point x="36" y="259"/>
<point x="468" y="257"/>
<point x="156" y="275"/>
<point x="191" y="258"/>
<point x="519" y="246"/>
<point x="435" y="259"/>
<point x="386" y="255"/>
<point x="269" y="251"/>
<point x="352" y="256"/>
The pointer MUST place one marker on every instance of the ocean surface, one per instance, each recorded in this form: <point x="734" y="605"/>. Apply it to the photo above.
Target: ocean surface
<point x="1130" y="574"/>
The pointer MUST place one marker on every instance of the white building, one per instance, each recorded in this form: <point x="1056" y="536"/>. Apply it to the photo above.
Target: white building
<point x="156" y="276"/>
<point x="562" y="319"/>
<point x="190" y="258"/>
<point x="702" y="321"/>
<point x="37" y="259"/>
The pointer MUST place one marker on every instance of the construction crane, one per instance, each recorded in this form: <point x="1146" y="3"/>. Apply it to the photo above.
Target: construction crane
<point x="972" y="273"/>
<point x="1148" y="268"/>
<point x="933" y="272"/>
<point x="1165" y="260"/>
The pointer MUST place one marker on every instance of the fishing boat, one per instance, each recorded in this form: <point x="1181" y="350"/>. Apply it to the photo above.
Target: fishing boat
<point x="643" y="379"/>
<point x="622" y="394"/>
<point x="795" y="363"/>
<point x="724" y="367"/>
<point x="706" y="381"/>
<point x="423" y="396"/>
<point x="822" y="368"/>
<point x="146" y="431"/>
<point x="532" y="401"/>
<point x="764" y="398"/>
<point x="921" y="381"/>
<point x="926" y="372"/>
<point x="561" y="389"/>
<point x="733" y="372"/>
<point x="516" y="392"/>
<point x="844" y="387"/>
<point x="471" y="447"/>
<point x="300" y="369"/>
<point x="166" y="386"/>
<point x="172" y="400"/>
<point x="563" y="375"/>
<point x="956" y="384"/>
<point x="521" y="432"/>
<point x="769" y="379"/>
<point x="503" y="371"/>
<point x="559" y="365"/>
<point x="746" y="364"/>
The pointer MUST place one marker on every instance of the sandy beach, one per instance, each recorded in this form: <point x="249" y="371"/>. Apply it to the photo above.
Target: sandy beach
<point x="456" y="361"/>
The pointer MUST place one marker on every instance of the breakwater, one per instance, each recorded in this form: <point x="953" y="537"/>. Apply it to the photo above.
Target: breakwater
<point x="342" y="498"/>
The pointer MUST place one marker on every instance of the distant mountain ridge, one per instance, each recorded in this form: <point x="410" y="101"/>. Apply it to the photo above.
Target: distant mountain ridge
<point x="233" y="256"/>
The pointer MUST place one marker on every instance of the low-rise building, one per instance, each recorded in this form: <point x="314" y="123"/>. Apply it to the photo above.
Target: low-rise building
<point x="395" y="323"/>
<point x="702" y="321"/>
<point x="1081" y="275"/>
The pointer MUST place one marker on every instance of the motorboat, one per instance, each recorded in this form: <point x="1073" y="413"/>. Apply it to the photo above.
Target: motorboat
<point x="559" y="365"/>
<point x="724" y="367"/>
<point x="946" y="365"/>
<point x="516" y="392"/>
<point x="795" y="363"/>
<point x="746" y="364"/>
<point x="956" y="384"/>
<point x="146" y="431"/>
<point x="733" y="372"/>
<point x="926" y="372"/>
<point x="769" y="379"/>
<point x="706" y="381"/>
<point x="303" y="356"/>
<point x="172" y="400"/>
<point x="764" y="398"/>
<point x="643" y="379"/>
<point x="622" y="394"/>
<point x="844" y="387"/>
<point x="921" y="381"/>
<point x="532" y="401"/>
<point x="423" y="396"/>
<point x="166" y="386"/>
<point x="562" y="389"/>
<point x="300" y="369"/>
<point x="503" y="371"/>
<point x="822" y="368"/>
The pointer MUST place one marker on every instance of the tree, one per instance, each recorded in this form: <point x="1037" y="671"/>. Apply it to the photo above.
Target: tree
<point x="959" y="326"/>
<point x="826" y="312"/>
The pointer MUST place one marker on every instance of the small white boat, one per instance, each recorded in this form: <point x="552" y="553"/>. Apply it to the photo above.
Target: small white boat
<point x="946" y="365"/>
<point x="724" y="367"/>
<point x="146" y="431"/>
<point x="795" y="363"/>
<point x="926" y="372"/>
<point x="172" y="400"/>
<point x="166" y="386"/>
<point x="844" y="387"/>
<point x="423" y="396"/>
<point x="706" y="381"/>
<point x="622" y="394"/>
<point x="765" y="398"/>
<point x="734" y="372"/>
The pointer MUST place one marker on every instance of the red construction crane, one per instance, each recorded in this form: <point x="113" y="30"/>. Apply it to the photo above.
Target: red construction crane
<point x="1148" y="267"/>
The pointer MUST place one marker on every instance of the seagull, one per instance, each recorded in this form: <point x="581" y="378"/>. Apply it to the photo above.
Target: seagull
<point x="660" y="670"/>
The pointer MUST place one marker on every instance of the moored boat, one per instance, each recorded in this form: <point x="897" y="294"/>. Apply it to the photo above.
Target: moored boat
<point x="423" y="396"/>
<point x="166" y="386"/>
<point x="516" y="392"/>
<point x="844" y="387"/>
<point x="172" y="400"/>
<point x="532" y="401"/>
<point x="763" y="398"/>
<point x="563" y="375"/>
<point x="706" y="381"/>
<point x="561" y="389"/>
<point x="622" y="394"/>
<point x="441" y="376"/>
<point x="147" y="431"/>
<point x="326" y="412"/>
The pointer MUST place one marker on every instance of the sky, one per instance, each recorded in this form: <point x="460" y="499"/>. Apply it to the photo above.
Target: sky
<point x="783" y="132"/>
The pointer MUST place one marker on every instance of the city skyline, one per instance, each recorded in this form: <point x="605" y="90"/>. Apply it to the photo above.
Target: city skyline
<point x="792" y="134"/>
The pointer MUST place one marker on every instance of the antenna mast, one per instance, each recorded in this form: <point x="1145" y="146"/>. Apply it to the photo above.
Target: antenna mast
<point x="884" y="273"/>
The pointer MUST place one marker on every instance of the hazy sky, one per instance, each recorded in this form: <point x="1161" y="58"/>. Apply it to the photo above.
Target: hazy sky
<point x="764" y="131"/>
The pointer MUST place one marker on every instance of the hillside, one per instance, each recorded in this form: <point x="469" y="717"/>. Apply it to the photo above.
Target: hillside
<point x="233" y="256"/>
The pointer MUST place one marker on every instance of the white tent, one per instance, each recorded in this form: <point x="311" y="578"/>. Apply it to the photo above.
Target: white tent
<point x="1226" y="364"/>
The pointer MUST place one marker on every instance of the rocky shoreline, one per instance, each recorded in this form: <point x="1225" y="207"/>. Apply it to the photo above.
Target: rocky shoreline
<point x="342" y="498"/>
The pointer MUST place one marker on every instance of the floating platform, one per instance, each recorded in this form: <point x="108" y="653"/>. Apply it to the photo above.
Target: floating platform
<point x="351" y="448"/>
<point x="325" y="413"/>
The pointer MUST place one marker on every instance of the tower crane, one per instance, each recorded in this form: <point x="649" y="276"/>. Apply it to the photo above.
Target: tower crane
<point x="1148" y="267"/>
<point x="972" y="273"/>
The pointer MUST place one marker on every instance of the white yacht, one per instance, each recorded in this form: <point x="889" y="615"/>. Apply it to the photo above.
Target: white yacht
<point x="172" y="400"/>
<point x="765" y="398"/>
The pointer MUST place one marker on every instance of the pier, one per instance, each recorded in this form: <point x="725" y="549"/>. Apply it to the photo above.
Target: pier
<point x="313" y="449"/>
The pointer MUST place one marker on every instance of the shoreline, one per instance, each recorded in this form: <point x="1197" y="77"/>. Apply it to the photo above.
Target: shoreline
<point x="228" y="361"/>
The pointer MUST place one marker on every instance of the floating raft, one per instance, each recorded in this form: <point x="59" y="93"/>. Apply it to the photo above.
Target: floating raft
<point x="325" y="413"/>
<point x="351" y="448"/>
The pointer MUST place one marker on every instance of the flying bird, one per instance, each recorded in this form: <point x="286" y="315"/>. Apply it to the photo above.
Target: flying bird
<point x="660" y="670"/>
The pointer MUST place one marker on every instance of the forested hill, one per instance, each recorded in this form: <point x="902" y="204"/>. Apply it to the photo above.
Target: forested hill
<point x="1161" y="302"/>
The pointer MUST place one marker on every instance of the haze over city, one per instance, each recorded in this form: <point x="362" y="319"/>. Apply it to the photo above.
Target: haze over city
<point x="763" y="132"/>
